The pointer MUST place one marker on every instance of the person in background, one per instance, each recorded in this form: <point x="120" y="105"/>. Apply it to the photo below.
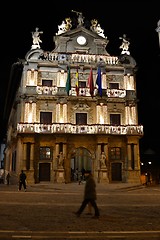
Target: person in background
<point x="83" y="172"/>
<point x="8" y="178"/>
<point x="22" y="181"/>
<point x="76" y="173"/>
<point x="89" y="195"/>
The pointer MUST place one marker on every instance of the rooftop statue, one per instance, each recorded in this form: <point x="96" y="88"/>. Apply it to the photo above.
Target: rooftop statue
<point x="36" y="38"/>
<point x="125" y="45"/>
<point x="65" y="26"/>
<point x="95" y="27"/>
<point x="80" y="18"/>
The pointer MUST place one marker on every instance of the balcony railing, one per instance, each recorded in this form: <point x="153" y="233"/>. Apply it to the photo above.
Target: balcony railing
<point x="78" y="58"/>
<point x="44" y="90"/>
<point x="79" y="129"/>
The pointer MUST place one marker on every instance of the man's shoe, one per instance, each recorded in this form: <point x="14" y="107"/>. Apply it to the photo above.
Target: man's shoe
<point x="77" y="214"/>
<point x="88" y="213"/>
<point x="95" y="217"/>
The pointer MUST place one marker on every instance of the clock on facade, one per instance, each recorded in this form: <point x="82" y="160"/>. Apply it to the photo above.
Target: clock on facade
<point x="81" y="40"/>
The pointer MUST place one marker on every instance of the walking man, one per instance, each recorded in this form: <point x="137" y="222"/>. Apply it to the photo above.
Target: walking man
<point x="89" y="195"/>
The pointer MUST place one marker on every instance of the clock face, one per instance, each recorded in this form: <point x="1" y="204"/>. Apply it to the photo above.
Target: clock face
<point x="81" y="40"/>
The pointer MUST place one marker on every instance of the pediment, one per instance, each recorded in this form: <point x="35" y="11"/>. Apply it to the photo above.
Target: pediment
<point x="67" y="42"/>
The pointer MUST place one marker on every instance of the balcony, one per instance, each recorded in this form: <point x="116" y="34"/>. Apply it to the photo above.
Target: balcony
<point x="78" y="58"/>
<point x="79" y="129"/>
<point x="44" y="90"/>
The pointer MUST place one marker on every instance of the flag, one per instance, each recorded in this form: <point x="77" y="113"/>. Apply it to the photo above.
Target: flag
<point x="90" y="83"/>
<point x="68" y="82"/>
<point x="99" y="82"/>
<point x="77" y="82"/>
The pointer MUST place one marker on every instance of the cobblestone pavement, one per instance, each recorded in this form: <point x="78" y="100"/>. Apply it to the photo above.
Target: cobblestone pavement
<point x="45" y="211"/>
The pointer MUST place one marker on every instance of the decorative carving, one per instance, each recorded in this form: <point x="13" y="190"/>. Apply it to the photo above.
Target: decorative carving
<point x="81" y="106"/>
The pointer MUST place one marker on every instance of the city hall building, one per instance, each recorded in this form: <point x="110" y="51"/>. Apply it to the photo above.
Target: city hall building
<point x="75" y="107"/>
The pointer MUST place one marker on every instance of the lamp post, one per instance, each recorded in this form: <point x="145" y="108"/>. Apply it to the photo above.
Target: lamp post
<point x="158" y="30"/>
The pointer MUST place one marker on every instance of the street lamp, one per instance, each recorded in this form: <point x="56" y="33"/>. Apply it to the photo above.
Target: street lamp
<point x="158" y="30"/>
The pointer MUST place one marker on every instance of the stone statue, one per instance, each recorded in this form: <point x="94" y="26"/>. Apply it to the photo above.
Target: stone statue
<point x="60" y="160"/>
<point x="80" y="18"/>
<point x="61" y="28"/>
<point x="65" y="26"/>
<point x="103" y="160"/>
<point x="95" y="26"/>
<point x="125" y="45"/>
<point x="36" y="38"/>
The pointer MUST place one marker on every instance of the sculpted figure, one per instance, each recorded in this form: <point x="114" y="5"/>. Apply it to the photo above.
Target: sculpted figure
<point x="36" y="37"/>
<point x="95" y="26"/>
<point x="60" y="160"/>
<point x="80" y="18"/>
<point x="103" y="160"/>
<point x="125" y="45"/>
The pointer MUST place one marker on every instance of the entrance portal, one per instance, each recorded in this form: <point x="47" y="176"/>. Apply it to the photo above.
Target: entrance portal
<point x="81" y="159"/>
<point x="44" y="172"/>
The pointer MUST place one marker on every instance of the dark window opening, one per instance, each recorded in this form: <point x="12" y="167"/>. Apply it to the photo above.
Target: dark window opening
<point x="82" y="84"/>
<point x="46" y="117"/>
<point x="60" y="147"/>
<point x="81" y="118"/>
<point x="115" y="119"/>
<point x="114" y="85"/>
<point x="47" y="83"/>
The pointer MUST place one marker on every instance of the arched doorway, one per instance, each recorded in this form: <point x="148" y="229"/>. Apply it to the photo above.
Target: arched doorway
<point x="81" y="159"/>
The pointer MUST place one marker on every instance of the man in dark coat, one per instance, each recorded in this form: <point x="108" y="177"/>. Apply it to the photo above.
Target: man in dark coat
<point x="89" y="195"/>
<point x="22" y="181"/>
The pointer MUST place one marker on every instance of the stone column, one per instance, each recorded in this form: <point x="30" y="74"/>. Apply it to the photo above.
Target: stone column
<point x="129" y="156"/>
<point x="32" y="157"/>
<point x="136" y="157"/>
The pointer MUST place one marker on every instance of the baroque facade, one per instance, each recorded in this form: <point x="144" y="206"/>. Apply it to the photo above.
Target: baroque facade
<point x="75" y="107"/>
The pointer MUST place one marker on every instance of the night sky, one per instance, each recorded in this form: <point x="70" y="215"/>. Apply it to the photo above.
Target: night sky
<point x="138" y="20"/>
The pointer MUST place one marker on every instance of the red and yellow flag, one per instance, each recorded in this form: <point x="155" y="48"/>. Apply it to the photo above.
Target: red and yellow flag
<point x="77" y="82"/>
<point x="91" y="83"/>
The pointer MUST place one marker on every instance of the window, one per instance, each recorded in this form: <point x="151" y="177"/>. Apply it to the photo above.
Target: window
<point x="81" y="118"/>
<point x="82" y="84"/>
<point x="46" y="117"/>
<point x="45" y="153"/>
<point x="115" y="119"/>
<point x="47" y="83"/>
<point x="115" y="153"/>
<point x="114" y="85"/>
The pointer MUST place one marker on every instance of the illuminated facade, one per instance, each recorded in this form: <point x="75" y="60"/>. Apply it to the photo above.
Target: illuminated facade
<point x="75" y="107"/>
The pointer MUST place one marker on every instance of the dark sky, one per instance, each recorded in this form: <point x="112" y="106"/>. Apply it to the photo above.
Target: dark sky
<point x="138" y="20"/>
